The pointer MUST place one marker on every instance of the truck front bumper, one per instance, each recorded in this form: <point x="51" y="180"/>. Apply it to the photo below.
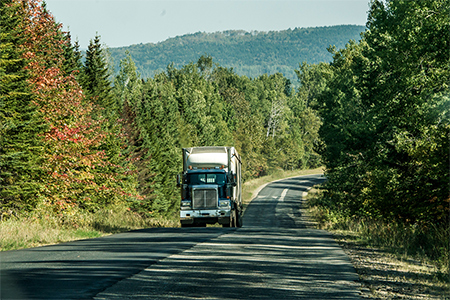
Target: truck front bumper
<point x="209" y="216"/>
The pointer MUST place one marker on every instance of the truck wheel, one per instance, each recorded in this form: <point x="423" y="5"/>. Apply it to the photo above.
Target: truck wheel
<point x="231" y="222"/>
<point x="233" y="218"/>
<point x="239" y="220"/>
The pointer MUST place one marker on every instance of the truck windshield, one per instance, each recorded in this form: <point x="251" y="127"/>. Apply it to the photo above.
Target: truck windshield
<point x="206" y="178"/>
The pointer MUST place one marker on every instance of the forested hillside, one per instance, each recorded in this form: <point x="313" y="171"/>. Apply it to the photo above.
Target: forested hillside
<point x="377" y="116"/>
<point x="249" y="53"/>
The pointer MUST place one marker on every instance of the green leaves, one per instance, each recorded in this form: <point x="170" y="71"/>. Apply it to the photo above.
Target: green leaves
<point x="204" y="104"/>
<point x="385" y="112"/>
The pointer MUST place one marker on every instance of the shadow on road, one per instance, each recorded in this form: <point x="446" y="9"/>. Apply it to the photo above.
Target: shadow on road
<point x="249" y="263"/>
<point x="81" y="269"/>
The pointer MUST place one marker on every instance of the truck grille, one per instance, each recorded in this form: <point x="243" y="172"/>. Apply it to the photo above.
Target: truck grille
<point x="204" y="198"/>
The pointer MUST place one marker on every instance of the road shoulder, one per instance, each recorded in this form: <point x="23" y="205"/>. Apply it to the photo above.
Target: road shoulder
<point x="384" y="275"/>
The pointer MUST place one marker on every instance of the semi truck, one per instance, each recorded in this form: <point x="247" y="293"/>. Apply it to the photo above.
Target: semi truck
<point x="211" y="187"/>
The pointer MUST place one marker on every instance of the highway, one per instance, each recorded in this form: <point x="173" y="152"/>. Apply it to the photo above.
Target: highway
<point x="275" y="255"/>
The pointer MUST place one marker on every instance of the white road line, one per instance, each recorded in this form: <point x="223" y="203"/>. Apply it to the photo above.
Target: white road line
<point x="283" y="194"/>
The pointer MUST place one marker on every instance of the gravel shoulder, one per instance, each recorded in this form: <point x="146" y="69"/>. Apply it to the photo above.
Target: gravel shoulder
<point x="384" y="275"/>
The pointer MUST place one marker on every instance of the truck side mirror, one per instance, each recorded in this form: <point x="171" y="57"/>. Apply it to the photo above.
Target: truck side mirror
<point x="229" y="191"/>
<point x="232" y="179"/>
<point x="178" y="180"/>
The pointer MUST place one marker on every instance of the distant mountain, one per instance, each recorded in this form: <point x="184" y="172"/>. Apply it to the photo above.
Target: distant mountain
<point x="248" y="53"/>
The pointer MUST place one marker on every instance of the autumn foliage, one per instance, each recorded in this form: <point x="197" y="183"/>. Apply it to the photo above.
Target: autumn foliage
<point x="77" y="171"/>
<point x="376" y="117"/>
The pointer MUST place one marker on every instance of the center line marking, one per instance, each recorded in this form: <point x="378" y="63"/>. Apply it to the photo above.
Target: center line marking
<point x="283" y="194"/>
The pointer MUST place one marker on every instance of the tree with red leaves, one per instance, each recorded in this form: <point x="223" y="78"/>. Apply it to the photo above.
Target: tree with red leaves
<point x="77" y="172"/>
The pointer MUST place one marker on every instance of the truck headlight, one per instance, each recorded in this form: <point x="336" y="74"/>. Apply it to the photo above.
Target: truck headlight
<point x="185" y="204"/>
<point x="224" y="203"/>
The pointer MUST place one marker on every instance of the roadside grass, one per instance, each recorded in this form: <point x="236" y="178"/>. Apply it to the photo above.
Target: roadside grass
<point x="392" y="260"/>
<point x="43" y="228"/>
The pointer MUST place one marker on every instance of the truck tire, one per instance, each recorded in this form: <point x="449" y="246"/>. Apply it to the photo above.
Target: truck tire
<point x="234" y="219"/>
<point x="239" y="220"/>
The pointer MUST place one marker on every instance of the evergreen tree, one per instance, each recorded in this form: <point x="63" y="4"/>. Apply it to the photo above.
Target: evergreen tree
<point x="127" y="84"/>
<point x="159" y="120"/>
<point x="72" y="55"/>
<point x="21" y="123"/>
<point x="128" y="91"/>
<point x="246" y="126"/>
<point x="95" y="77"/>
<point x="198" y="105"/>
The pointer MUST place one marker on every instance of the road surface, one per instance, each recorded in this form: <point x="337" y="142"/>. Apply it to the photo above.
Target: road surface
<point x="273" y="256"/>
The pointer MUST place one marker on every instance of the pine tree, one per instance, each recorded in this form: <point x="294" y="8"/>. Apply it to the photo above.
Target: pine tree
<point x="72" y="55"/>
<point x="128" y="94"/>
<point x="20" y="145"/>
<point x="127" y="84"/>
<point x="95" y="77"/>
<point x="159" y="121"/>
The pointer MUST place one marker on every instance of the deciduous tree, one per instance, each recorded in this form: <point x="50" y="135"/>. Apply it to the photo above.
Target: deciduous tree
<point x="386" y="111"/>
<point x="78" y="172"/>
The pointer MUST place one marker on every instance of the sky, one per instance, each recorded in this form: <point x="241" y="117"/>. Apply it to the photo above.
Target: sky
<point x="126" y="22"/>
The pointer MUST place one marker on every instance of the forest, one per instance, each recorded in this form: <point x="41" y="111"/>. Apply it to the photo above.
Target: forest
<point x="75" y="136"/>
<point x="250" y="54"/>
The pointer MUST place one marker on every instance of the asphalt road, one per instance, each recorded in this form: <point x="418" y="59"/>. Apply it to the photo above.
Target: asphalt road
<point x="273" y="256"/>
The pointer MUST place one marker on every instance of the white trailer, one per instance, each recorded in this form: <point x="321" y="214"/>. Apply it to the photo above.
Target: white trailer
<point x="211" y="187"/>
